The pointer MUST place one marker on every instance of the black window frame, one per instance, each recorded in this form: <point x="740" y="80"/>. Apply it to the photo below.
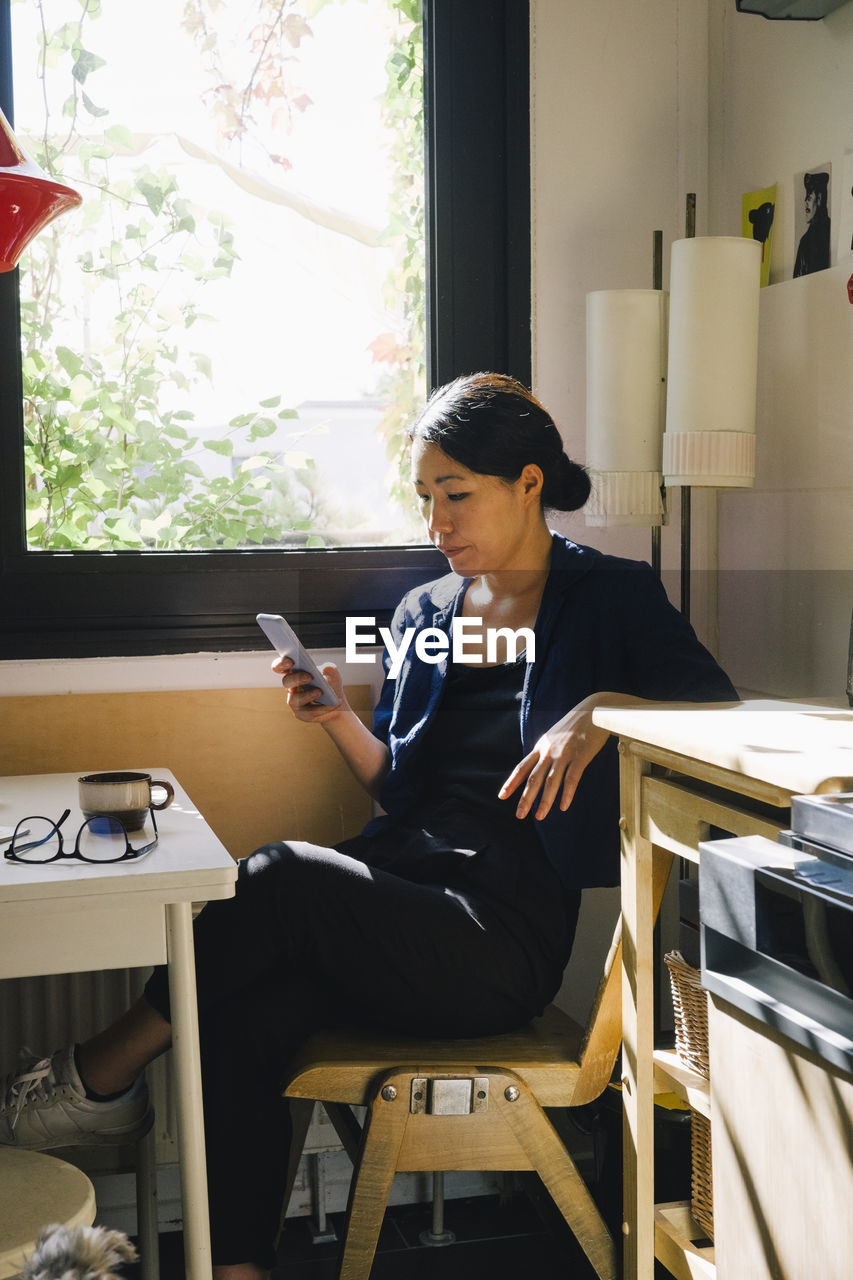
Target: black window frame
<point x="98" y="604"/>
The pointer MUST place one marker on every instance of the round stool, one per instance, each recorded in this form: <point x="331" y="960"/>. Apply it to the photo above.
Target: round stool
<point x="35" y="1190"/>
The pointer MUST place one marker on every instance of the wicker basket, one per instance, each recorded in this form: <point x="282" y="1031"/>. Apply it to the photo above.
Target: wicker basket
<point x="702" y="1195"/>
<point x="690" y="1002"/>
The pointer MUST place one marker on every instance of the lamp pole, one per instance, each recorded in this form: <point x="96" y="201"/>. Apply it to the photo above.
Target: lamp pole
<point x="686" y="493"/>
<point x="657" y="283"/>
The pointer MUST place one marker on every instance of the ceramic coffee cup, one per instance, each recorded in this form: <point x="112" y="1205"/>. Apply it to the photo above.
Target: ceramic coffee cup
<point x="126" y="796"/>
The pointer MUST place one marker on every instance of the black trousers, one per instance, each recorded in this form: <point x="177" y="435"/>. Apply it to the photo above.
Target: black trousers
<point x="318" y="937"/>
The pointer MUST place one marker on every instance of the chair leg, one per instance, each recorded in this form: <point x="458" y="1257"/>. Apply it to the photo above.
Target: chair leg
<point x="301" y="1111"/>
<point x="549" y="1157"/>
<point x="346" y="1126"/>
<point x="373" y="1175"/>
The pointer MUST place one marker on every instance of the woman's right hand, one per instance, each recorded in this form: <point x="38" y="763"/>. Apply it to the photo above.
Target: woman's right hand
<point x="301" y="693"/>
<point x="367" y="757"/>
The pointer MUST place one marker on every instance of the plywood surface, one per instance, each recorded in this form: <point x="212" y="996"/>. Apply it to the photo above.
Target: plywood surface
<point x="255" y="772"/>
<point x="783" y="1138"/>
<point x="798" y="747"/>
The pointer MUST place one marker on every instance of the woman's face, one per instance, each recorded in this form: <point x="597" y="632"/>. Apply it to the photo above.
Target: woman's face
<point x="483" y="524"/>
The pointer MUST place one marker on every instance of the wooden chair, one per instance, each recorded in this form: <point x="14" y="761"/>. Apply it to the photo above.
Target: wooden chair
<point x="438" y="1105"/>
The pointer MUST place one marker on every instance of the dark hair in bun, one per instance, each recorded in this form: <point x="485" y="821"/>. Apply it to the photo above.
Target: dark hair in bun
<point x="493" y="425"/>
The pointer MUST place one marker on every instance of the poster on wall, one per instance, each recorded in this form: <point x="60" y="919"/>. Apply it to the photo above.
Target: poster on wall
<point x="811" y="219"/>
<point x="758" y="215"/>
<point x="845" y="222"/>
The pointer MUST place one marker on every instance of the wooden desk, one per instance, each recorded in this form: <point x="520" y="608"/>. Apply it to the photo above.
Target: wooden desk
<point x="755" y="755"/>
<point x="68" y="917"/>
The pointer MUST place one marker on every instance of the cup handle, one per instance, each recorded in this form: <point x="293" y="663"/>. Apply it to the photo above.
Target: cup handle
<point x="170" y="793"/>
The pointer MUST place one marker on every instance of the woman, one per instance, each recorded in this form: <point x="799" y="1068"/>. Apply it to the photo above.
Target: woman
<point x="454" y="913"/>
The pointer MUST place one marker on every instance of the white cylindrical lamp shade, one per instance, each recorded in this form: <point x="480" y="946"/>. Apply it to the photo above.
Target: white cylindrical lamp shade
<point x="713" y="362"/>
<point x="625" y="404"/>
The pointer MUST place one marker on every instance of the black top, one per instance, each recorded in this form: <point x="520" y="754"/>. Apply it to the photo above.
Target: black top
<point x="470" y="748"/>
<point x="474" y="740"/>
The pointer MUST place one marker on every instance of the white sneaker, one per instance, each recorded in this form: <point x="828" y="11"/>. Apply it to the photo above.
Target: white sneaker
<point x="46" y="1106"/>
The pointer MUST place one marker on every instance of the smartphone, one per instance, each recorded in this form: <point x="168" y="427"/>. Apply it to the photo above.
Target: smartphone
<point x="286" y="642"/>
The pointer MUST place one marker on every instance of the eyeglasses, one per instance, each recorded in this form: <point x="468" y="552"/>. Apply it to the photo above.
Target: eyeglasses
<point x="100" y="839"/>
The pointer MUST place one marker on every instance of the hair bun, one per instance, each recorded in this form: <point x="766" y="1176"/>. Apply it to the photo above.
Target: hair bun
<point x="567" y="485"/>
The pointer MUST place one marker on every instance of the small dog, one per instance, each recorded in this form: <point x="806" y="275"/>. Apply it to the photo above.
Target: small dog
<point x="78" y="1253"/>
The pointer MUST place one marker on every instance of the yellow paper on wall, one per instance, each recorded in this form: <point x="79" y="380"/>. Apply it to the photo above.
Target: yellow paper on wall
<point x="759" y="209"/>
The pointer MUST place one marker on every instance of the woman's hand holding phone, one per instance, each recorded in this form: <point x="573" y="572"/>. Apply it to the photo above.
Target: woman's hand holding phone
<point x="302" y="694"/>
<point x="315" y="695"/>
<point x="310" y="695"/>
<point x="367" y="757"/>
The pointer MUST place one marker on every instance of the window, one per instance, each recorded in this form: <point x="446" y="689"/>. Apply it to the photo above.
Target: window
<point x="66" y="599"/>
<point x="219" y="339"/>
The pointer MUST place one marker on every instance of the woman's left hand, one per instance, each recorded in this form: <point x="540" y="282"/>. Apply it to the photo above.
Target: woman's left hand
<point x="555" y="765"/>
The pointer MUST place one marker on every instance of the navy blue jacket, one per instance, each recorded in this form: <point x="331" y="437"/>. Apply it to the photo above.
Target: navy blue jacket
<point x="604" y="624"/>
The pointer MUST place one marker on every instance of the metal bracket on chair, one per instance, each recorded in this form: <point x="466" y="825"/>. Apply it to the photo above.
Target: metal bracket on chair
<point x="449" y="1095"/>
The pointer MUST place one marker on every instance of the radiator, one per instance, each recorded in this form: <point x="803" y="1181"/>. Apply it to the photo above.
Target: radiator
<point x="44" y="1013"/>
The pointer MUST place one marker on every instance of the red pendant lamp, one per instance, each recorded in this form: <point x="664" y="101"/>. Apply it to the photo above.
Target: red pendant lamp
<point x="29" y="198"/>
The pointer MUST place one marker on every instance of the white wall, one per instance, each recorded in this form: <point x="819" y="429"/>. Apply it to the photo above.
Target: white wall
<point x="634" y="105"/>
<point x="604" y="137"/>
<point x="620" y="136"/>
<point x="782" y="102"/>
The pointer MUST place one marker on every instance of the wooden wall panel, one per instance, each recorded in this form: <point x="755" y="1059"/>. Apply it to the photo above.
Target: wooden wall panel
<point x="254" y="771"/>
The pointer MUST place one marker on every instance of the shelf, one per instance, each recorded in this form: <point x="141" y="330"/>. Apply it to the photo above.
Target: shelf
<point x="675" y="1234"/>
<point x="672" y="1076"/>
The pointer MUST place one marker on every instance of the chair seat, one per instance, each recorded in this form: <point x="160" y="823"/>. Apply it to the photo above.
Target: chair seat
<point x="461" y="1104"/>
<point x="35" y="1190"/>
<point x="346" y="1066"/>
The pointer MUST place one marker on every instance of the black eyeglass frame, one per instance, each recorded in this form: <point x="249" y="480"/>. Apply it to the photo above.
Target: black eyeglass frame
<point x="129" y="852"/>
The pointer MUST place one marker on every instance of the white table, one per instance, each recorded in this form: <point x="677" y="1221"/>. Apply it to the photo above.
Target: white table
<point x="69" y="917"/>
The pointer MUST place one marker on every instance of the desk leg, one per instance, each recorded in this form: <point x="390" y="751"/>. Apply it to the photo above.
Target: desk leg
<point x="187" y="1069"/>
<point x="645" y="871"/>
